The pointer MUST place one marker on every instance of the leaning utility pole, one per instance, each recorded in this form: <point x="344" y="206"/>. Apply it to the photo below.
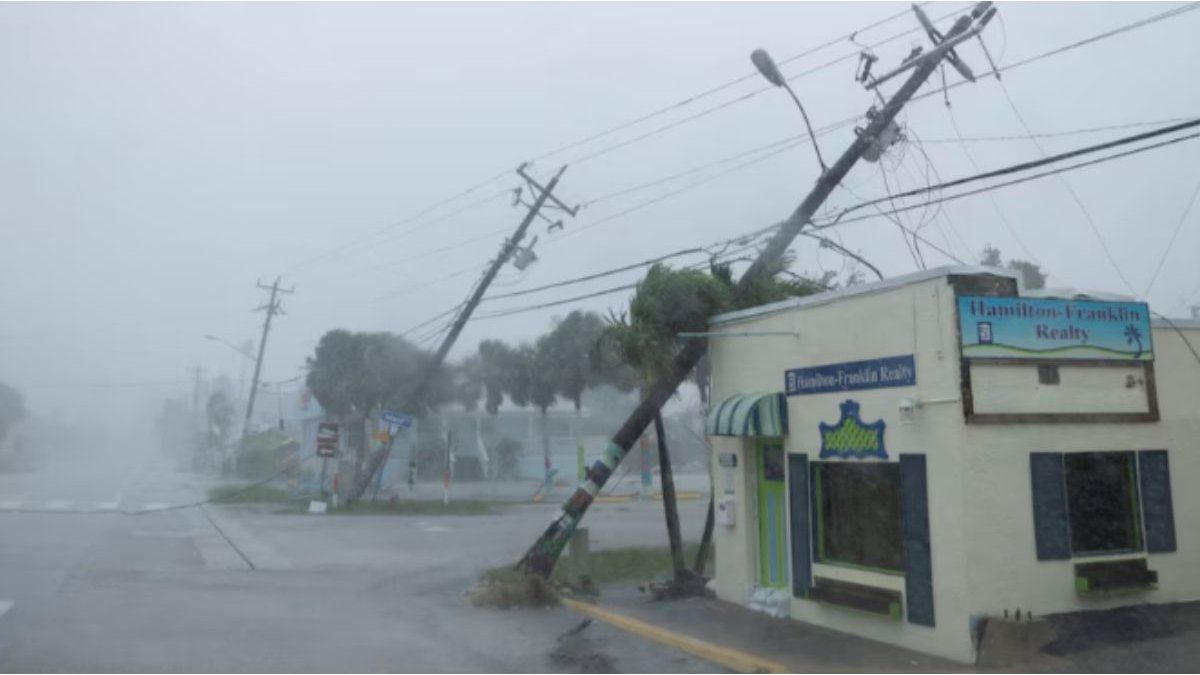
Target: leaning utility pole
<point x="272" y="308"/>
<point x="540" y="558"/>
<point x="510" y="247"/>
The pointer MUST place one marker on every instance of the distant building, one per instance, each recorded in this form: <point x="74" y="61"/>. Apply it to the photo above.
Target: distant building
<point x="902" y="460"/>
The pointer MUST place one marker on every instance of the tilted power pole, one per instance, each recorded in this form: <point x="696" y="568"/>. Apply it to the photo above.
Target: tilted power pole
<point x="541" y="557"/>
<point x="272" y="308"/>
<point x="508" y="249"/>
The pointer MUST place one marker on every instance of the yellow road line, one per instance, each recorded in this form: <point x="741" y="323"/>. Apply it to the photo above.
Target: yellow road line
<point x="733" y="659"/>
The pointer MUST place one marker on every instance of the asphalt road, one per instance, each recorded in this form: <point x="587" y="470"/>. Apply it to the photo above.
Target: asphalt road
<point x="84" y="587"/>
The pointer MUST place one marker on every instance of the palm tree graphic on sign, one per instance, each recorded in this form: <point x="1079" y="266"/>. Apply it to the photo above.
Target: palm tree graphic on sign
<point x="1134" y="336"/>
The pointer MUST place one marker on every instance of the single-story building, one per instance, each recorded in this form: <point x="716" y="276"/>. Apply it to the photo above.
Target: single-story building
<point x="900" y="460"/>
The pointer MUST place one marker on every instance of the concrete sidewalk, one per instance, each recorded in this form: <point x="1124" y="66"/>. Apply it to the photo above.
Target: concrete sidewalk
<point x="799" y="647"/>
<point x="1142" y="638"/>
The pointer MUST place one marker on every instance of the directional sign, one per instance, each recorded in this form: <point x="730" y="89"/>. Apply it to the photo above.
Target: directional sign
<point x="397" y="418"/>
<point x="327" y="439"/>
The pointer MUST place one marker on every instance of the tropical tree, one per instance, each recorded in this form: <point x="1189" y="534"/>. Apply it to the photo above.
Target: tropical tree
<point x="571" y="351"/>
<point x="467" y="382"/>
<point x="494" y="359"/>
<point x="354" y="374"/>
<point x="220" y="414"/>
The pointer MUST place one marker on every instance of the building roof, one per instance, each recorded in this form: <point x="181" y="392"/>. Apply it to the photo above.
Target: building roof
<point x="889" y="284"/>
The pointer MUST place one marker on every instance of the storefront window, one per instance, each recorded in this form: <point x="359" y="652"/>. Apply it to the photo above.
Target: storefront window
<point x="857" y="514"/>
<point x="1102" y="502"/>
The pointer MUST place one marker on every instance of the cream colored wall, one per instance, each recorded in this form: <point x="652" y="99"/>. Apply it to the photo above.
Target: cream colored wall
<point x="1004" y="572"/>
<point x="1081" y="389"/>
<point x="918" y="320"/>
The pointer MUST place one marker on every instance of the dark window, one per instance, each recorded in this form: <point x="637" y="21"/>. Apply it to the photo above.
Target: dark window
<point x="1048" y="375"/>
<point x="1102" y="502"/>
<point x="773" y="462"/>
<point x="857" y="507"/>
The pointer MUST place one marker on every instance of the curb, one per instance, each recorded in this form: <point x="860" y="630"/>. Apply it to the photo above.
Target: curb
<point x="733" y="659"/>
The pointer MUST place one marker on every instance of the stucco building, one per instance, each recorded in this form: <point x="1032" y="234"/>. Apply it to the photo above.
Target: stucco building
<point x="900" y="460"/>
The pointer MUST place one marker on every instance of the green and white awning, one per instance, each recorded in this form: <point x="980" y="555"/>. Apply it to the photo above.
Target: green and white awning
<point x="758" y="414"/>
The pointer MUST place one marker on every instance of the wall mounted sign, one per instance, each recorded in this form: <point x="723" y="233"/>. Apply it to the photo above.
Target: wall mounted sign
<point x="850" y="437"/>
<point x="893" y="371"/>
<point x="1046" y="328"/>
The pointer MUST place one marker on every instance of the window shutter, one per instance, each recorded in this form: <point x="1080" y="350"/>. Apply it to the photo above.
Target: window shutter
<point x="798" y="505"/>
<point x="1051" y="529"/>
<point x="1157" y="512"/>
<point x="918" y="565"/>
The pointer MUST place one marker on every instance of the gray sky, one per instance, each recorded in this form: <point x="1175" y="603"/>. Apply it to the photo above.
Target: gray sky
<point x="158" y="159"/>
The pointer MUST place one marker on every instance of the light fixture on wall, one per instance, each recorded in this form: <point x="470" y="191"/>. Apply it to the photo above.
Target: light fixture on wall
<point x="908" y="409"/>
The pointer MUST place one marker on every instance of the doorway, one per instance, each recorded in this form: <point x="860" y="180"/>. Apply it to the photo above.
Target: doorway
<point x="772" y="541"/>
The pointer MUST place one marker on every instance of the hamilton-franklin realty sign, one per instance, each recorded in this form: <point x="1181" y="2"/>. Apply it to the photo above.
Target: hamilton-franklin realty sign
<point x="1024" y="328"/>
<point x="893" y="371"/>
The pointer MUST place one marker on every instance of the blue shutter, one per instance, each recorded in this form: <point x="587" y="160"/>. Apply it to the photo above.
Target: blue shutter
<point x="1050" y="527"/>
<point x="918" y="565"/>
<point x="1157" y="512"/>
<point x="799" y="536"/>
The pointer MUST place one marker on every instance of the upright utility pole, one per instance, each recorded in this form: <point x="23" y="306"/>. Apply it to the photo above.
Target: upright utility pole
<point x="540" y="558"/>
<point x="510" y="248"/>
<point x="272" y="308"/>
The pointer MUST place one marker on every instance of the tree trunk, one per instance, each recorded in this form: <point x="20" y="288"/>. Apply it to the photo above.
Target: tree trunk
<point x="670" y="508"/>
<point x="705" y="539"/>
<point x="546" y="449"/>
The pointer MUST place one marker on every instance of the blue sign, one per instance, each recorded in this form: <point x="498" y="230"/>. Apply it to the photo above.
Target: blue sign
<point x="1045" y="328"/>
<point x="893" y="371"/>
<point x="397" y="418"/>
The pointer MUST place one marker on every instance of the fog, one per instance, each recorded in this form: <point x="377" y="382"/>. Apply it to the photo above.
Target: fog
<point x="161" y="159"/>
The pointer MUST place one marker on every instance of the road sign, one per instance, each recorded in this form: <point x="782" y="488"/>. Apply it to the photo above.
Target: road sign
<point x="397" y="418"/>
<point x="327" y="439"/>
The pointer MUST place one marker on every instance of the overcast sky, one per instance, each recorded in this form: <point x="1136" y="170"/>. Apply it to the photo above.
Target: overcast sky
<point x="159" y="159"/>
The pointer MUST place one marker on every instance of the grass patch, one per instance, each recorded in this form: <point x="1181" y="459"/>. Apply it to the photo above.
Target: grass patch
<point x="254" y="494"/>
<point x="610" y="565"/>
<point x="426" y="507"/>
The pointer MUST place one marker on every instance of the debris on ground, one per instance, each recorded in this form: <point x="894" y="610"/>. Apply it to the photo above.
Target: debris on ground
<point x="517" y="591"/>
<point x="687" y="585"/>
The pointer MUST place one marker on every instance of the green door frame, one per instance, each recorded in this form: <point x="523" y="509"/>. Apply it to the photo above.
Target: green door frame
<point x="772" y="527"/>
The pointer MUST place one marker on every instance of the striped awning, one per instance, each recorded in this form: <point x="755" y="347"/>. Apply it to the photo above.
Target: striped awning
<point x="758" y="414"/>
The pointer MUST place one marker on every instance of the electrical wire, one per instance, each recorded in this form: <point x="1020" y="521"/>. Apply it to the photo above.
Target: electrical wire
<point x="1030" y="164"/>
<point x="1087" y="214"/>
<point x="1017" y="181"/>
<point x="1171" y="242"/>
<point x="1012" y="231"/>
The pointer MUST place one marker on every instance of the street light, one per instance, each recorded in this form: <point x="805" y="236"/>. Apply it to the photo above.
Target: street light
<point x="766" y="65"/>
<point x="232" y="346"/>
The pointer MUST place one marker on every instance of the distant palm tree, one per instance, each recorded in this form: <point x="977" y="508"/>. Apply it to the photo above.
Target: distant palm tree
<point x="1133" y="335"/>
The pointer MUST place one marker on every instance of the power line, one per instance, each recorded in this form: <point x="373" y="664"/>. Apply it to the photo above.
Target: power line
<point x="744" y="97"/>
<point x="1171" y="243"/>
<point x="1027" y="165"/>
<point x="959" y="138"/>
<point x="1087" y="214"/>
<point x="1000" y="69"/>
<point x="837" y="222"/>
<point x="1012" y="231"/>
<point x="721" y="87"/>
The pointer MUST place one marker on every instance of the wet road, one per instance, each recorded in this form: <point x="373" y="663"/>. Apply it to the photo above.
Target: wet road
<point x="225" y="589"/>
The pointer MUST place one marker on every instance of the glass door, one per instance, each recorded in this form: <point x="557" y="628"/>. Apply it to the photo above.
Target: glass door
<point x="772" y="541"/>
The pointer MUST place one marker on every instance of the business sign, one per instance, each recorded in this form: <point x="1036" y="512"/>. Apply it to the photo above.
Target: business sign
<point x="327" y="439"/>
<point x="893" y="371"/>
<point x="1045" y="328"/>
<point x="397" y="418"/>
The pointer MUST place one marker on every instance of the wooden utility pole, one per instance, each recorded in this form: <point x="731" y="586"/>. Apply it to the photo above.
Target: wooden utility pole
<point x="510" y="247"/>
<point x="272" y="308"/>
<point x="541" y="557"/>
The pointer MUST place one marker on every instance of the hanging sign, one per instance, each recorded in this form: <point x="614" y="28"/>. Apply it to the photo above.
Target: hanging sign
<point x="1047" y="328"/>
<point x="893" y="371"/>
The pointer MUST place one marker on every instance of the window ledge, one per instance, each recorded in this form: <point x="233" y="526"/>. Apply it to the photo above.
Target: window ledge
<point x="870" y="599"/>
